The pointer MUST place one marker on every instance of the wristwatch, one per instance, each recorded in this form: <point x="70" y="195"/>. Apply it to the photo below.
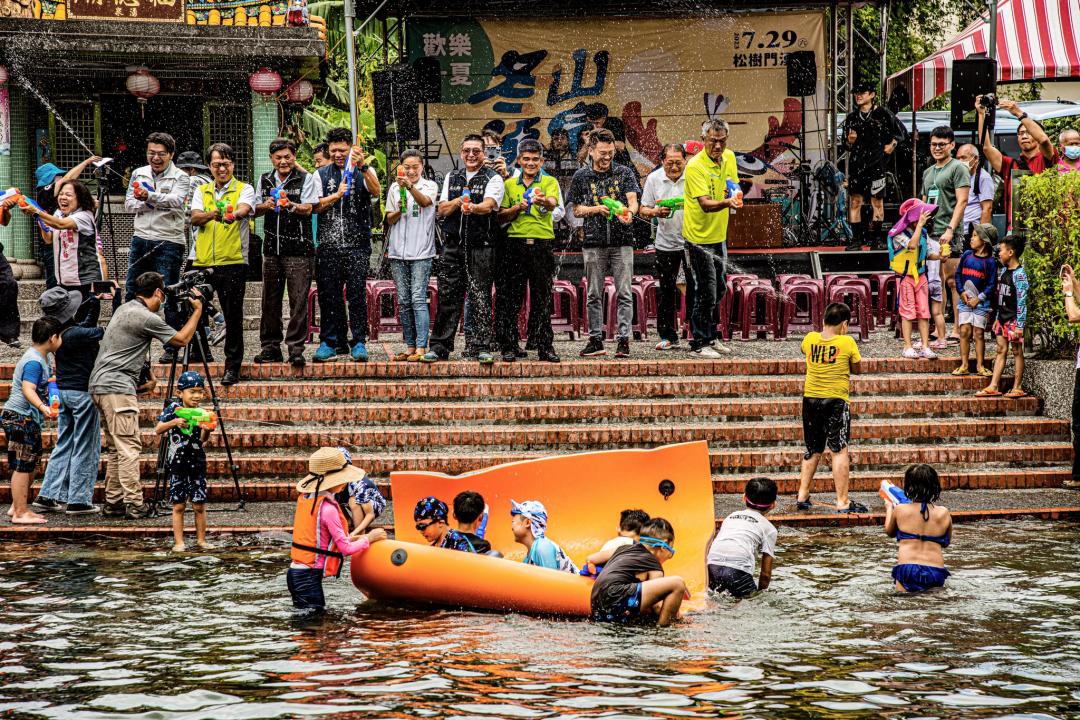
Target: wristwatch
<point x="1022" y="116"/>
<point x="364" y="168"/>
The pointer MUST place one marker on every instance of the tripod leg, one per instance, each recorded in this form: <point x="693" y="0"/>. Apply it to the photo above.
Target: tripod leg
<point x="205" y="350"/>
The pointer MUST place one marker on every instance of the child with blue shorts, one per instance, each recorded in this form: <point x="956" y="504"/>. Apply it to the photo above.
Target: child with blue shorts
<point x="922" y="530"/>
<point x="632" y="587"/>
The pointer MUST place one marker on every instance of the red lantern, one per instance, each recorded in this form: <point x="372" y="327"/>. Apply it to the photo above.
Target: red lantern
<point x="265" y="82"/>
<point x="301" y="92"/>
<point x="143" y="86"/>
<point x="3" y="75"/>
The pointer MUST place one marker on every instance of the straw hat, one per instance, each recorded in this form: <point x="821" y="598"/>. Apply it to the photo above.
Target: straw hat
<point x="328" y="469"/>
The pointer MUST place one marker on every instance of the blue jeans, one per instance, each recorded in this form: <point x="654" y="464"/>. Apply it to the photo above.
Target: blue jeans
<point x="160" y="256"/>
<point x="73" y="464"/>
<point x="411" y="278"/>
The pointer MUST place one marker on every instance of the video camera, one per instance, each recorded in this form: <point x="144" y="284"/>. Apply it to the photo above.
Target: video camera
<point x="197" y="279"/>
<point x="988" y="101"/>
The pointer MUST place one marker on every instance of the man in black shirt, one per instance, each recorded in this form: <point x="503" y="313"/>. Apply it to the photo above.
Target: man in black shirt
<point x="868" y="135"/>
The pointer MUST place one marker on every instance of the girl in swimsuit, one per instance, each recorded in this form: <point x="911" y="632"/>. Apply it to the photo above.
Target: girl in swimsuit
<point x="922" y="530"/>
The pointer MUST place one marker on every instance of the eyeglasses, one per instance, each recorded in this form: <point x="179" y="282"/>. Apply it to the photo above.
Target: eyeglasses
<point x="940" y="144"/>
<point x="472" y="151"/>
<point x="424" y="526"/>
<point x="157" y="154"/>
<point x="221" y="165"/>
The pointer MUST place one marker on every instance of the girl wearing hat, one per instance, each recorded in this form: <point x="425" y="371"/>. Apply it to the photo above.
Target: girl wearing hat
<point x="320" y="541"/>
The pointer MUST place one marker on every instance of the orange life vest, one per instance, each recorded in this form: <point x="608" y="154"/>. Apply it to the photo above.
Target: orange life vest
<point x="307" y="534"/>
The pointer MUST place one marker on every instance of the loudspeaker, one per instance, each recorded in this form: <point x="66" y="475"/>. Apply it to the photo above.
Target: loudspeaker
<point x="397" y="94"/>
<point x="801" y="73"/>
<point x="428" y="79"/>
<point x="970" y="77"/>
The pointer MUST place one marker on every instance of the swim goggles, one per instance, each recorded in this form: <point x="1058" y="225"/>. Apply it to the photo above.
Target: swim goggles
<point x="656" y="543"/>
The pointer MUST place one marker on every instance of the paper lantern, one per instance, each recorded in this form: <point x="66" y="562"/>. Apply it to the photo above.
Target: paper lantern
<point x="265" y="82"/>
<point x="300" y="91"/>
<point x="3" y="75"/>
<point x="143" y="86"/>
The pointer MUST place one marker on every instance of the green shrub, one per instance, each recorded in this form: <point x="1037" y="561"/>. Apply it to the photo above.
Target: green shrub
<point x="1050" y="207"/>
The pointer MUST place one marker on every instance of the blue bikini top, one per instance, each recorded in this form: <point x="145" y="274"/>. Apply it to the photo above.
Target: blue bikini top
<point x="942" y="540"/>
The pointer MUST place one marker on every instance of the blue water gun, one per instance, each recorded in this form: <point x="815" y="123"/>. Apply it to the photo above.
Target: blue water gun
<point x="25" y="202"/>
<point x="482" y="527"/>
<point x="892" y="495"/>
<point x="734" y="192"/>
<point x="346" y="176"/>
<point x="591" y="570"/>
<point x="147" y="187"/>
<point x="281" y="199"/>
<point x="529" y="199"/>
<point x="54" y="396"/>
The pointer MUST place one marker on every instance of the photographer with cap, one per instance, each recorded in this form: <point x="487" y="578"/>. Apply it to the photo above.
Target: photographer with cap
<point x="73" y="463"/>
<point x="158" y="195"/>
<point x="870" y="133"/>
<point x="120" y="372"/>
<point x="320" y="541"/>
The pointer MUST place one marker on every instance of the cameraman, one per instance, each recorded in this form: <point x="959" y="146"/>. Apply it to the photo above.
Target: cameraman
<point x="1037" y="151"/>
<point x="115" y="380"/>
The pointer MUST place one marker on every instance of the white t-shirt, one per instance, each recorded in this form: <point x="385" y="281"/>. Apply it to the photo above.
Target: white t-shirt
<point x="743" y="535"/>
<point x="413" y="236"/>
<point x="616" y="542"/>
<point x="933" y="267"/>
<point x="668" y="230"/>
<point x="495" y="188"/>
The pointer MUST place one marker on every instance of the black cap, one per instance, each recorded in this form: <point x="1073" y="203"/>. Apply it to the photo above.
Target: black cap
<point x="861" y="87"/>
<point x="190" y="159"/>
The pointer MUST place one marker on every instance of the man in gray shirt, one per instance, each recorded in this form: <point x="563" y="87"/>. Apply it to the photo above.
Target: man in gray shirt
<point x="114" y="384"/>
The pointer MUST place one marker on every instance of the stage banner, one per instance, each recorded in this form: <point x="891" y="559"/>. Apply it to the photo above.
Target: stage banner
<point x="661" y="77"/>
<point x="5" y="121"/>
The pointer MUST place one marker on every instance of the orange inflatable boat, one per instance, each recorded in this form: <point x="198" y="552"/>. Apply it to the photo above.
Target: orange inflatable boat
<point x="584" y="495"/>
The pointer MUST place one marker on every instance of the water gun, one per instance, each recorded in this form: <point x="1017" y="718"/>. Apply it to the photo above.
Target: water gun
<point x="482" y="527"/>
<point x="281" y="199"/>
<point x="529" y="199"/>
<point x="615" y="208"/>
<point x="346" y="176"/>
<point x="892" y="495"/>
<point x="225" y="211"/>
<point x="404" y="204"/>
<point x="466" y="200"/>
<point x="196" y="417"/>
<point x="734" y="192"/>
<point x="25" y="202"/>
<point x="673" y="204"/>
<point x="13" y="192"/>
<point x="54" y="396"/>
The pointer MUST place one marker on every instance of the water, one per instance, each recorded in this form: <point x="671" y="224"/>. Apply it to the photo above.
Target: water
<point x="124" y="630"/>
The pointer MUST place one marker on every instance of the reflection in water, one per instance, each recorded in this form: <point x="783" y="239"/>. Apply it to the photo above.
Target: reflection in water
<point x="127" y="631"/>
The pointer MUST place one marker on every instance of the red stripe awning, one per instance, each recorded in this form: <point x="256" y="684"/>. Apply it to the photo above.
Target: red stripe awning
<point x="1036" y="40"/>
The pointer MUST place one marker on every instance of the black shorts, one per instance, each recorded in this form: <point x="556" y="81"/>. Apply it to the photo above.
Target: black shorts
<point x="23" y="441"/>
<point x="737" y="582"/>
<point x="826" y="422"/>
<point x="867" y="181"/>
<point x="183" y="488"/>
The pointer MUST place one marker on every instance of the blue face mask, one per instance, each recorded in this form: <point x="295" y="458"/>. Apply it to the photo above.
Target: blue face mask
<point x="1072" y="152"/>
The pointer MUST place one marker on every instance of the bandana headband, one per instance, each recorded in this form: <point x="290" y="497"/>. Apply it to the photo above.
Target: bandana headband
<point x="656" y="543"/>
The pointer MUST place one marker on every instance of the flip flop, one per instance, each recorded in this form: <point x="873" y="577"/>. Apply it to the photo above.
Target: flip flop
<point x="987" y="392"/>
<point x="983" y="372"/>
<point x="961" y="371"/>
<point x="1015" y="394"/>
<point x="28" y="521"/>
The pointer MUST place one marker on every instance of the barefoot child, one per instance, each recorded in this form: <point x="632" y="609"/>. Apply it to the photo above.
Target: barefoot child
<point x="976" y="277"/>
<point x="319" y="539"/>
<point x="744" y="535"/>
<point x="832" y="357"/>
<point x="1012" y="289"/>
<point x="185" y="459"/>
<point x="24" y="413"/>
<point x="632" y="586"/>
<point x="922" y="529"/>
<point x="365" y="502"/>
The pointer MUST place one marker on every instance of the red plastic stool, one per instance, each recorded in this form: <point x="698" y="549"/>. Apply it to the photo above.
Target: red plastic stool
<point x="749" y="293"/>
<point x="792" y="316"/>
<point x="887" y="291"/>
<point x="650" y="287"/>
<point x="857" y="297"/>
<point x="729" y="307"/>
<point x="377" y="322"/>
<point x="833" y="278"/>
<point x="638" y="323"/>
<point x="312" y="317"/>
<point x="564" y="315"/>
<point x="783" y="279"/>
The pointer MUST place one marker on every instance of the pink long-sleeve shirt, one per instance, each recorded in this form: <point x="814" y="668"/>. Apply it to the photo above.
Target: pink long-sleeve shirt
<point x="330" y="528"/>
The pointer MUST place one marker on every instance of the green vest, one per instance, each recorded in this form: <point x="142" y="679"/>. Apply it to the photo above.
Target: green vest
<point x="220" y="243"/>
<point x="537" y="224"/>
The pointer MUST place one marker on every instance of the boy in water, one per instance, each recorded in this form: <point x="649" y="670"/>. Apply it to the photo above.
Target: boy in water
<point x="185" y="460"/>
<point x="976" y="276"/>
<point x="630" y="522"/>
<point x="744" y="535"/>
<point x="470" y="513"/>
<point x="1012" y="289"/>
<point x="632" y="585"/>
<point x="430" y="515"/>
<point x="528" y="521"/>
<point x="922" y="531"/>
<point x="832" y="357"/>
<point x="366" y="503"/>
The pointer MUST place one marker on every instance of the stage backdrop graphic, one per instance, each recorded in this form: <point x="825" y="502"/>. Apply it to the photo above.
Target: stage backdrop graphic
<point x="662" y="78"/>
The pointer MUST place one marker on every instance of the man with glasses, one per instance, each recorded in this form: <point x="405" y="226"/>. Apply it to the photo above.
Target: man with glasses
<point x="706" y="207"/>
<point x="870" y="134"/>
<point x="946" y="184"/>
<point x="222" y="210"/>
<point x="158" y="195"/>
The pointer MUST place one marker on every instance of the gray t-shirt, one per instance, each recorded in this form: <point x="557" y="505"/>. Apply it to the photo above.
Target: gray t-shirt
<point x="123" y="349"/>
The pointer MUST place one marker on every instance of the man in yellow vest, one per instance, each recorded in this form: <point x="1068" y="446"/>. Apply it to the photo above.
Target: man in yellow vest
<point x="221" y="209"/>
<point x="706" y="206"/>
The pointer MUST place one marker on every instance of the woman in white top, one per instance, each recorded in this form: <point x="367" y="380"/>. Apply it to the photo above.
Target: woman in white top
<point x="410" y="213"/>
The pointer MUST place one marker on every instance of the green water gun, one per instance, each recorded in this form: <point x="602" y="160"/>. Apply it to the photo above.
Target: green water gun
<point x="615" y="208"/>
<point x="225" y="211"/>
<point x="196" y="417"/>
<point x="674" y="204"/>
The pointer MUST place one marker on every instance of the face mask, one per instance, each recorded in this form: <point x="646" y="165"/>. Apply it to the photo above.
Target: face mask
<point x="1072" y="152"/>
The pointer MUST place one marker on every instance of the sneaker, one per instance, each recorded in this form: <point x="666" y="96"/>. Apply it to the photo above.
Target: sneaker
<point x="431" y="357"/>
<point x="359" y="352"/>
<point x="138" y="512"/>
<point x="548" y="356"/>
<point x="268" y="355"/>
<point x="13" y="343"/>
<point x="622" y="348"/>
<point x="81" y="509"/>
<point x="325" y="353"/>
<point x="46" y="504"/>
<point x="911" y="353"/>
<point x="297" y="361"/>
<point x="927" y="354"/>
<point x="593" y="348"/>
<point x="113" y="510"/>
<point x="667" y="345"/>
<point x="804" y="504"/>
<point x="485" y="358"/>
<point x="707" y="351"/>
<point x="509" y="356"/>
<point x="521" y="354"/>
<point x="854" y="507"/>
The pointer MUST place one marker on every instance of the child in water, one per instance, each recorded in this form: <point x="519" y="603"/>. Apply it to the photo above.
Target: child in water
<point x="922" y="530"/>
<point x="470" y="514"/>
<point x="632" y="585"/>
<point x="528" y="521"/>
<point x="742" y="537"/>
<point x="630" y="522"/>
<point x="185" y="459"/>
<point x="430" y="515"/>
<point x="365" y="501"/>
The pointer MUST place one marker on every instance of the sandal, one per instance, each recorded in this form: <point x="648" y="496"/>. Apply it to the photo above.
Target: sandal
<point x="402" y="357"/>
<point x="1015" y="394"/>
<point x="988" y="392"/>
<point x="961" y="371"/>
<point x="983" y="372"/>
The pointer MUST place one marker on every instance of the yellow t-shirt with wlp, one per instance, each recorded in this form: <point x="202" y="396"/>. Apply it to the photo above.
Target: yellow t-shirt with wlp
<point x="828" y="365"/>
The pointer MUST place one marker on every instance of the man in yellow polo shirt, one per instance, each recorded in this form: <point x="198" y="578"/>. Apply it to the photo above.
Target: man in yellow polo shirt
<point x="706" y="207"/>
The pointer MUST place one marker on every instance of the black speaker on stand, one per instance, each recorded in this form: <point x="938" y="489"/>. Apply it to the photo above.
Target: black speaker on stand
<point x="801" y="83"/>
<point x="428" y="72"/>
<point x="397" y="97"/>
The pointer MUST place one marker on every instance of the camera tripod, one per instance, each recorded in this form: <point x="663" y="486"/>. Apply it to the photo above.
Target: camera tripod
<point x="160" y="485"/>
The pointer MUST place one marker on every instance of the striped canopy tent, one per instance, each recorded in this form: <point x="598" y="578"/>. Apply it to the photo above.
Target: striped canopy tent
<point x="1036" y="40"/>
